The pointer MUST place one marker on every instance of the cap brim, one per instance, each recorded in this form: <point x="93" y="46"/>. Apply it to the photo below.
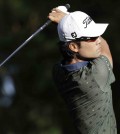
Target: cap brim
<point x="95" y="30"/>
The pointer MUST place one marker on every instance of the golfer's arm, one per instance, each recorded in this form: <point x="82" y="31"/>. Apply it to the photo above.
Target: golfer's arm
<point x="106" y="50"/>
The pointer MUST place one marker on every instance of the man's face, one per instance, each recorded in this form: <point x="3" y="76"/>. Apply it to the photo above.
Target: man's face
<point x="90" y="48"/>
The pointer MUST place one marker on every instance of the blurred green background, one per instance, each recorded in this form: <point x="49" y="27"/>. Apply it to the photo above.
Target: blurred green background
<point x="36" y="106"/>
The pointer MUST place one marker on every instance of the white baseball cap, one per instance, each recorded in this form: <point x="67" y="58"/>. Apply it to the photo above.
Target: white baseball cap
<point x="78" y="24"/>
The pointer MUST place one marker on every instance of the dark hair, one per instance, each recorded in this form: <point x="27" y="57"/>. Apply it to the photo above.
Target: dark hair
<point x="66" y="52"/>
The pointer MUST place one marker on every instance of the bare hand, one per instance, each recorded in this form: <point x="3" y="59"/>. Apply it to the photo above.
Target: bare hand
<point x="56" y="15"/>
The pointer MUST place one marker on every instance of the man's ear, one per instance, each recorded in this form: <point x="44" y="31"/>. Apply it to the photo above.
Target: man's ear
<point x="73" y="47"/>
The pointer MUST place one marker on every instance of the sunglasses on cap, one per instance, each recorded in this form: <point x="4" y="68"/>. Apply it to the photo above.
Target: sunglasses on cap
<point x="87" y="39"/>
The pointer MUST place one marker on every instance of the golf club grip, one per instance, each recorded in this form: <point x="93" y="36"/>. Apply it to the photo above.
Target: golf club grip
<point x="67" y="6"/>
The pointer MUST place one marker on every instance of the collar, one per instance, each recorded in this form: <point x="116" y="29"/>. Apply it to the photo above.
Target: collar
<point x="75" y="66"/>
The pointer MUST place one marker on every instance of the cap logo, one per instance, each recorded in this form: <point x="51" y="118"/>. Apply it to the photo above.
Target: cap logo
<point x="74" y="35"/>
<point x="87" y="21"/>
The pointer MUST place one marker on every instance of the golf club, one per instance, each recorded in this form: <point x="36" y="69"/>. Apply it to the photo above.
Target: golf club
<point x="31" y="37"/>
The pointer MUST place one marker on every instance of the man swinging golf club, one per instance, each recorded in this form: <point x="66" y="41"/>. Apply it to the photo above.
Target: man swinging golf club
<point x="84" y="75"/>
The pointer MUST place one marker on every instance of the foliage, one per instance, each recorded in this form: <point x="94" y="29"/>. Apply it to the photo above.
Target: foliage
<point x="37" y="107"/>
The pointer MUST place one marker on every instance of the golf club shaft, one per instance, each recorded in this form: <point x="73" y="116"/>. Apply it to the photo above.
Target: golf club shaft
<point x="27" y="40"/>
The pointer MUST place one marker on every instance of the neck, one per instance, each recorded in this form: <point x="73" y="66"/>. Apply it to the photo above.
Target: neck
<point x="73" y="61"/>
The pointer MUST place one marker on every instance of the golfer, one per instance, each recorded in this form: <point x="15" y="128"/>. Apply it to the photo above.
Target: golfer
<point x="85" y="74"/>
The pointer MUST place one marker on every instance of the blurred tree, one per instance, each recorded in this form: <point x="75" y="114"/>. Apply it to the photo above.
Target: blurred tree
<point x="37" y="106"/>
